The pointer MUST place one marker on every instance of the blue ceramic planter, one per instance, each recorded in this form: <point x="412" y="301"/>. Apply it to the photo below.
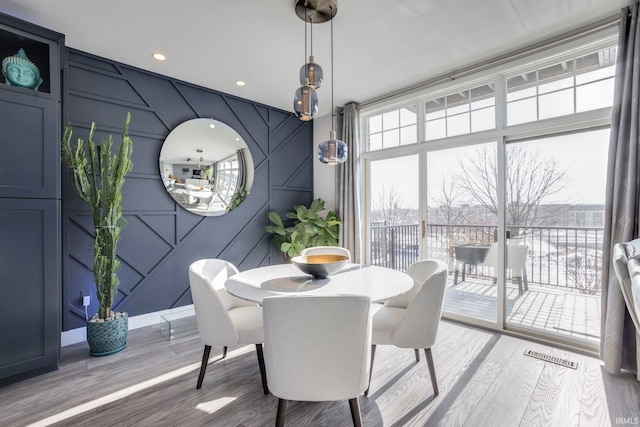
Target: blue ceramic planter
<point x="108" y="337"/>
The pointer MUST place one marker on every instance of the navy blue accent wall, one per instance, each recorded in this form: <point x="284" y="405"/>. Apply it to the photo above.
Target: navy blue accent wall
<point x="162" y="239"/>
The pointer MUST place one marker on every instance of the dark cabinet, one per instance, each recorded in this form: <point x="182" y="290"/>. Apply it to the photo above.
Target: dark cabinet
<point x="29" y="146"/>
<point x="29" y="289"/>
<point x="30" y="222"/>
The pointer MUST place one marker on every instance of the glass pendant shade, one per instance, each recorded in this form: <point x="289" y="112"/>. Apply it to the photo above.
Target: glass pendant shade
<point x="305" y="103"/>
<point x="333" y="151"/>
<point x="313" y="72"/>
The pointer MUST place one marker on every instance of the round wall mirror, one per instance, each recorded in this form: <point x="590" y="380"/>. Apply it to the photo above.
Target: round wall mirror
<point x="206" y="167"/>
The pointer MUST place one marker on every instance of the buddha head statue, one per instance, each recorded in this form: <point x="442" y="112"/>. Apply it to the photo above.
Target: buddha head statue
<point x="19" y="71"/>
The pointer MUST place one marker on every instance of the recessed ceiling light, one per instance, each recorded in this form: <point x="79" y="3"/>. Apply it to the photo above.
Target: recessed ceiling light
<point x="158" y="56"/>
<point x="240" y="83"/>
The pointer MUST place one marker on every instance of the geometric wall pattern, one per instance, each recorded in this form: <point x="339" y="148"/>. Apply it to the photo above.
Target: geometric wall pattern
<point x="161" y="239"/>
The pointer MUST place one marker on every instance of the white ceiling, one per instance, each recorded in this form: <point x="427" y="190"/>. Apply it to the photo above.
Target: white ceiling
<point x="380" y="46"/>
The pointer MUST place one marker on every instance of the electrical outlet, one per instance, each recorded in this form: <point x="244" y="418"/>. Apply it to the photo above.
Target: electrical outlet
<point x="86" y="300"/>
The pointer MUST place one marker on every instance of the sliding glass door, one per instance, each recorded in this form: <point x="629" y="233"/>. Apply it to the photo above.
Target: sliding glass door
<point x="461" y="227"/>
<point x="555" y="190"/>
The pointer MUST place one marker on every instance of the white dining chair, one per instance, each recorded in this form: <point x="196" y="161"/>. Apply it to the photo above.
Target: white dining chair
<point x="326" y="250"/>
<point x="411" y="320"/>
<point x="222" y="318"/>
<point x="627" y="268"/>
<point x="317" y="349"/>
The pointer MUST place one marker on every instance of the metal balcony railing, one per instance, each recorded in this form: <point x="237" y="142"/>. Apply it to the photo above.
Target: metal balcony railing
<point x="562" y="257"/>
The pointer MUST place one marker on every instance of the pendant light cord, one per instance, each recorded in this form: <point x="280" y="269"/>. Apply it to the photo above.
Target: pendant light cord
<point x="333" y="116"/>
<point x="311" y="34"/>
<point x="306" y="68"/>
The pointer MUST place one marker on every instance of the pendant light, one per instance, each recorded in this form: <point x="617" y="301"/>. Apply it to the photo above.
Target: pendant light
<point x="332" y="151"/>
<point x="305" y="100"/>
<point x="310" y="70"/>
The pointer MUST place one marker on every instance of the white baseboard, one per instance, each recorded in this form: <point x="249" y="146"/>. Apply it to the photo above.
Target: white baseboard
<point x="75" y="336"/>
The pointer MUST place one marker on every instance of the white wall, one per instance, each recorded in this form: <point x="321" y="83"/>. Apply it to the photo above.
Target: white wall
<point x="324" y="176"/>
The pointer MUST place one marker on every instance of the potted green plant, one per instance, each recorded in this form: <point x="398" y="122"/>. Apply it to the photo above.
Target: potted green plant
<point x="236" y="199"/>
<point x="309" y="229"/>
<point x="98" y="176"/>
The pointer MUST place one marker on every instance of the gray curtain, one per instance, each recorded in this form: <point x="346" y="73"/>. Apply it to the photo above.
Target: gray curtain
<point x="618" y="338"/>
<point x="242" y="167"/>
<point x="349" y="191"/>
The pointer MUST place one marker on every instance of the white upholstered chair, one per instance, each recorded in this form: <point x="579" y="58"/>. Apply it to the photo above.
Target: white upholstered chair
<point x="222" y="318"/>
<point x="626" y="263"/>
<point x="317" y="349"/>
<point x="411" y="320"/>
<point x="328" y="250"/>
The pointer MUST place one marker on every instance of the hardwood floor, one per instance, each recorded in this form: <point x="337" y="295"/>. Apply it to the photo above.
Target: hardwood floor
<point x="484" y="379"/>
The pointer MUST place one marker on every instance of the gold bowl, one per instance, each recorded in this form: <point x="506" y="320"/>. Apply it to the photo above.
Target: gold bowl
<point x="320" y="266"/>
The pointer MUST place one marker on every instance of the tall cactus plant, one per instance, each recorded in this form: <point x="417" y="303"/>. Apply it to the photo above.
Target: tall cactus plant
<point x="98" y="176"/>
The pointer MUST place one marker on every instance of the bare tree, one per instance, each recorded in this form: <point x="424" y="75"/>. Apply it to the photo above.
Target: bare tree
<point x="388" y="206"/>
<point x="585" y="270"/>
<point x="447" y="207"/>
<point x="530" y="178"/>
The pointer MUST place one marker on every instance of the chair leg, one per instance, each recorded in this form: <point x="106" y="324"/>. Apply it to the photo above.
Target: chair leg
<point x="373" y="355"/>
<point x="355" y="412"/>
<point x="203" y="365"/>
<point x="282" y="412"/>
<point x="417" y="354"/>
<point x="224" y="351"/>
<point x="263" y="373"/>
<point x="432" y="370"/>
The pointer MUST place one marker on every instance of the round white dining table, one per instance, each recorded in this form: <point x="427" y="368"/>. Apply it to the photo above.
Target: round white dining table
<point x="377" y="283"/>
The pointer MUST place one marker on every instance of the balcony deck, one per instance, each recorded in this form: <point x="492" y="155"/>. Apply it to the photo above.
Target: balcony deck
<point x="541" y="308"/>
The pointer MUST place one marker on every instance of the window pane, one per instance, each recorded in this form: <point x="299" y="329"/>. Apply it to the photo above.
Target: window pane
<point x="522" y="111"/>
<point x="489" y="102"/>
<point x="390" y="138"/>
<point x="435" y="115"/>
<point x="556" y="104"/>
<point x="595" y="95"/>
<point x="482" y="92"/>
<point x="483" y="119"/>
<point x="522" y="93"/>
<point x="434" y="109"/>
<point x="394" y="212"/>
<point x="390" y="120"/>
<point x="458" y="109"/>
<point x="599" y="74"/>
<point x="555" y="85"/>
<point x="555" y="72"/>
<point x="409" y="135"/>
<point x="458" y="125"/>
<point x="407" y="116"/>
<point x="375" y="141"/>
<point x="597" y="60"/>
<point x="375" y="124"/>
<point x="436" y="129"/>
<point x="456" y="100"/>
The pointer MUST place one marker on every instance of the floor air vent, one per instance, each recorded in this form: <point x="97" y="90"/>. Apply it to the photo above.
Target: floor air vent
<point x="552" y="359"/>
